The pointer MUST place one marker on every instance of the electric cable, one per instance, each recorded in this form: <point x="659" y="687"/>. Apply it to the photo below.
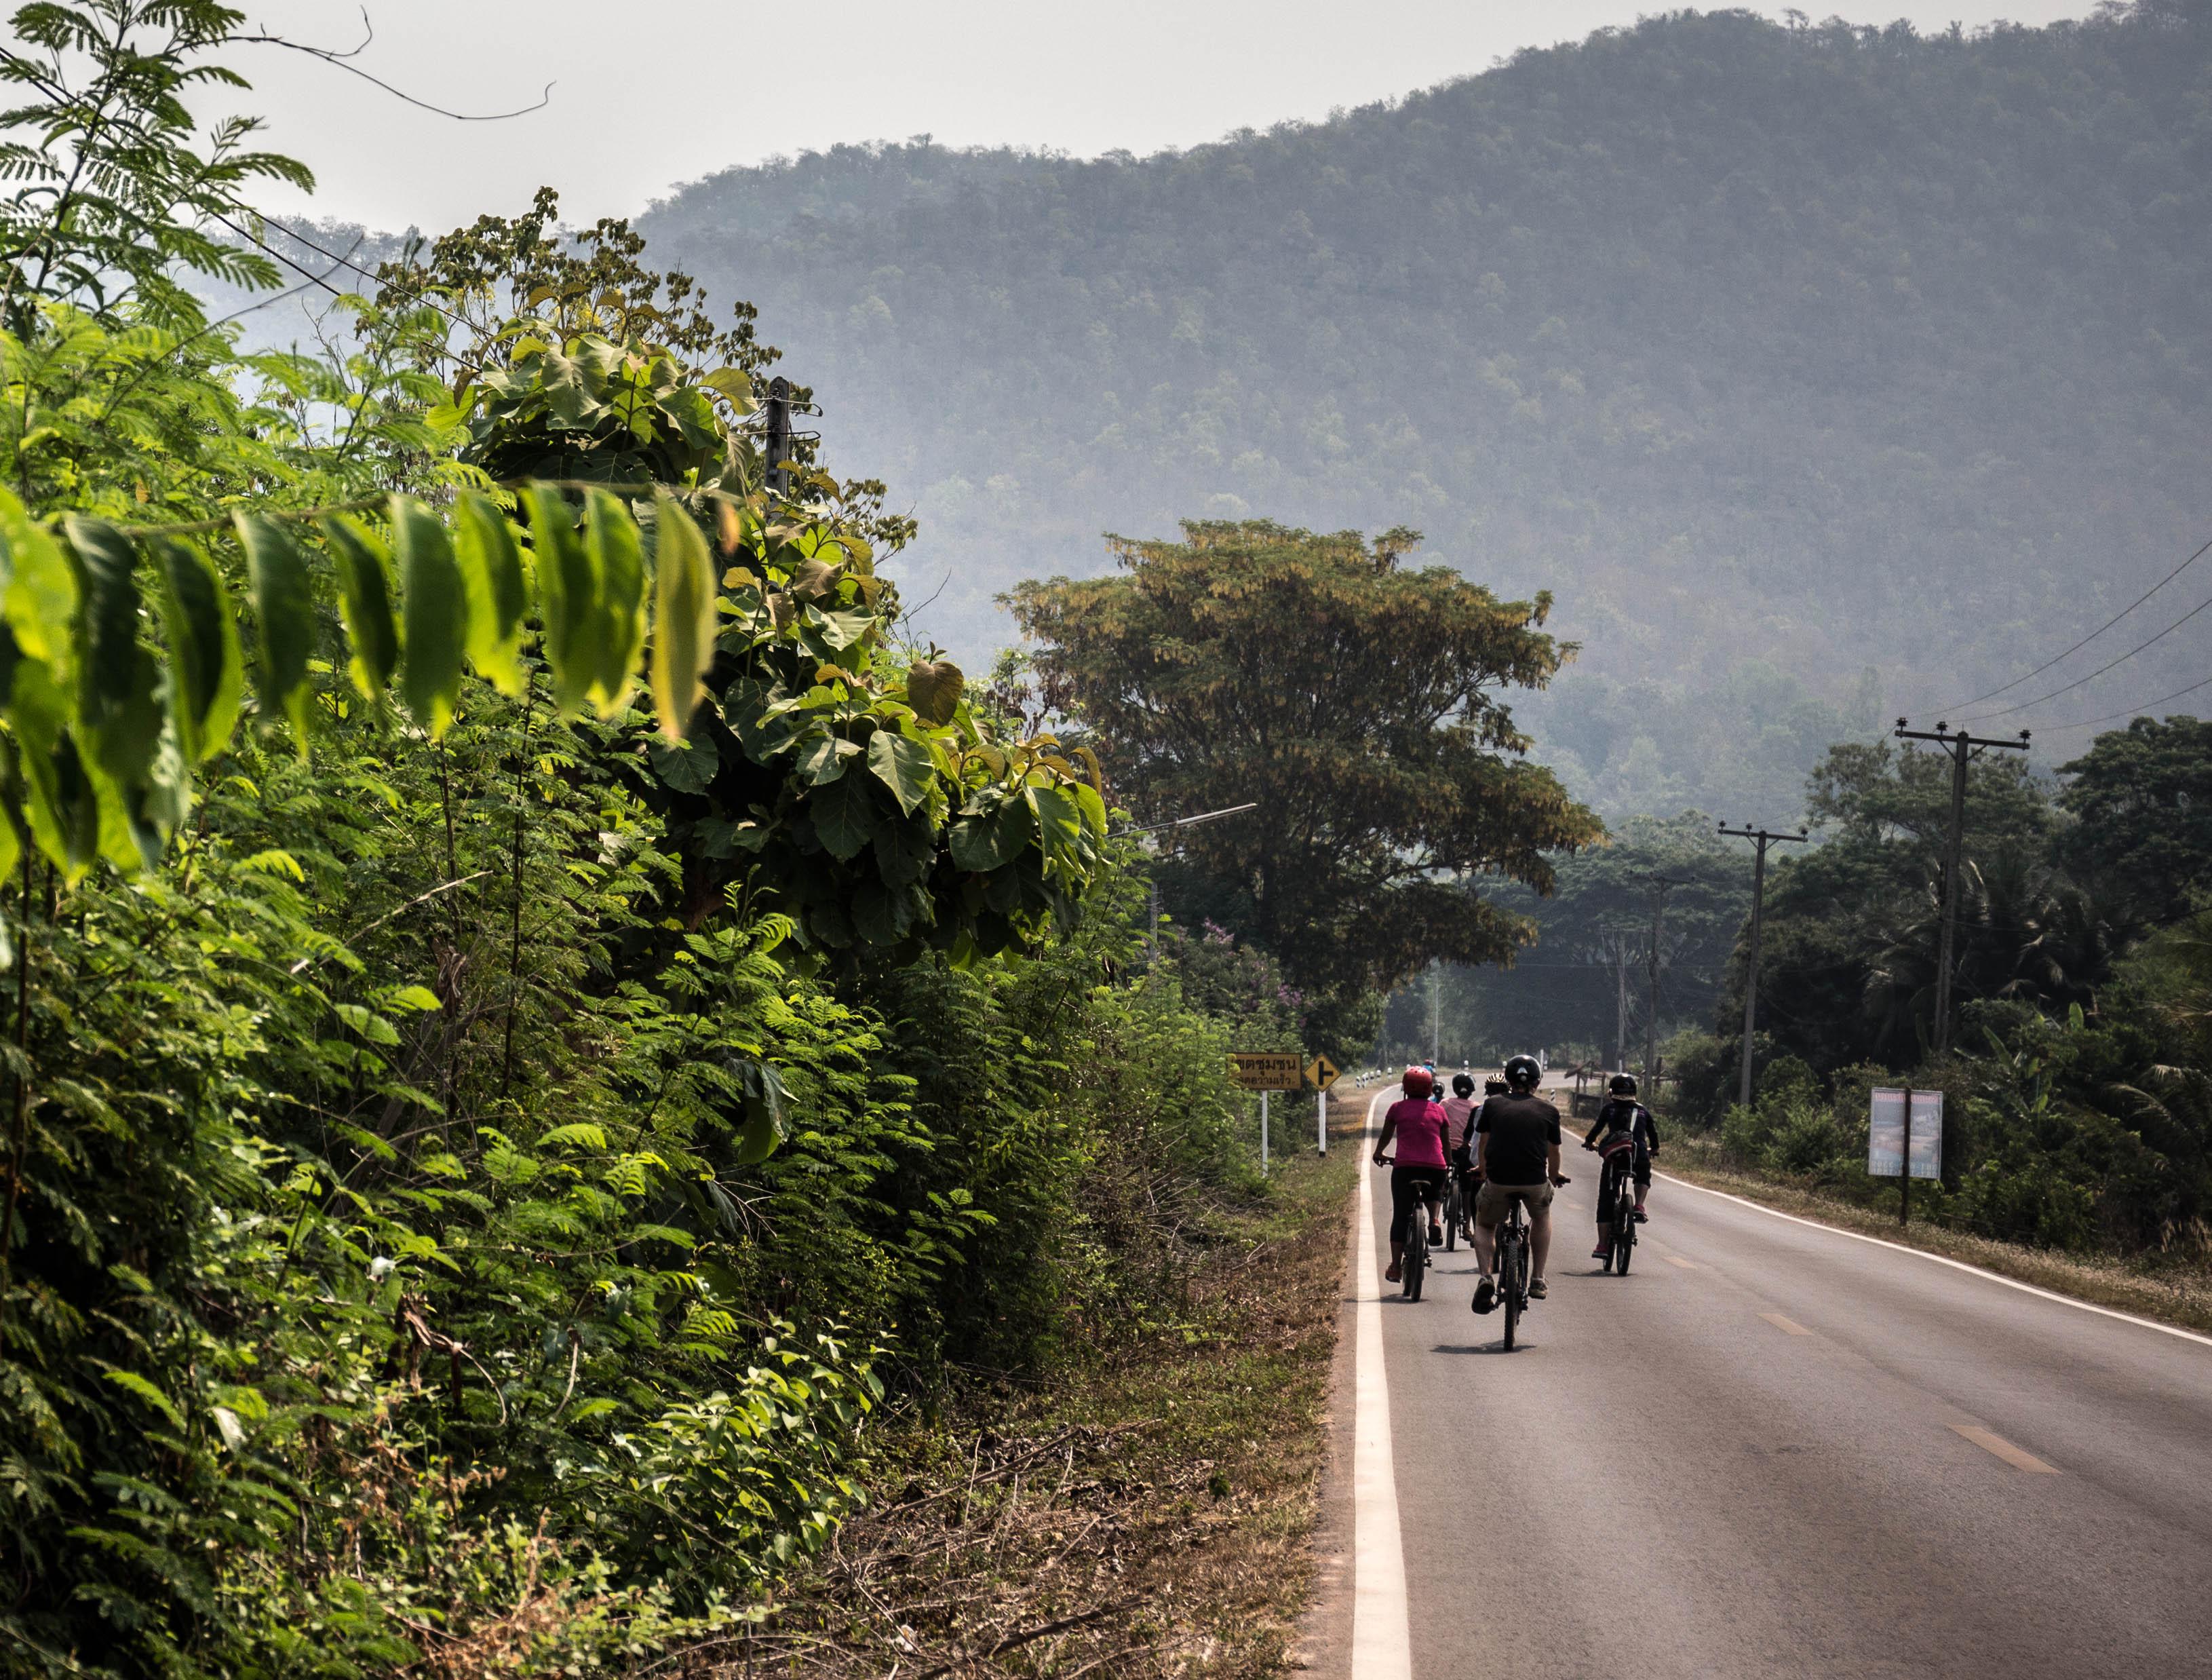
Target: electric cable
<point x="1984" y="717"/>
<point x="1961" y="705"/>
<point x="2147" y="707"/>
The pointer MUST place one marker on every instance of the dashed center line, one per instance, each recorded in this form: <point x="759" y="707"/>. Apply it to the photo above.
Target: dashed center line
<point x="2019" y="1457"/>
<point x="1787" y="1326"/>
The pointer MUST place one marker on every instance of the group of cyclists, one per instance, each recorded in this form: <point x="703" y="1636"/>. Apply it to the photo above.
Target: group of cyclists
<point x="1503" y="1149"/>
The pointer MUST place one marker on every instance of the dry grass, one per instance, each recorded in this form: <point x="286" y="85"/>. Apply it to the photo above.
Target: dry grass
<point x="2174" y="1292"/>
<point x="1146" y="1516"/>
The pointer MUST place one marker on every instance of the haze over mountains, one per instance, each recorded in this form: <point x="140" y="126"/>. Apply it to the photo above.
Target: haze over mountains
<point x="1782" y="354"/>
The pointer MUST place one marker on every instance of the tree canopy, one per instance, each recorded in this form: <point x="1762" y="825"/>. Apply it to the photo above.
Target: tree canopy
<point x="2142" y="803"/>
<point x="1360" y="703"/>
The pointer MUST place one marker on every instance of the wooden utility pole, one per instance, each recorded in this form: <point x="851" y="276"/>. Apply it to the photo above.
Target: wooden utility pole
<point x="1963" y="750"/>
<point x="1764" y="839"/>
<point x="779" y="433"/>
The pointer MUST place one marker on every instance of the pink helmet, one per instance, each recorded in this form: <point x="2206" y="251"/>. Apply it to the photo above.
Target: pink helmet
<point x="1419" y="1082"/>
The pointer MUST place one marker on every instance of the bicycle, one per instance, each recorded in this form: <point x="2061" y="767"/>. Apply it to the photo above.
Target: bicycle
<point x="1620" y="1164"/>
<point x="1459" y="1212"/>
<point x="1415" y="1260"/>
<point x="1513" y="1243"/>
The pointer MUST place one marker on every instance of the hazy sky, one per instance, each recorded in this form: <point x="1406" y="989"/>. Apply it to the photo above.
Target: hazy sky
<point x="658" y="92"/>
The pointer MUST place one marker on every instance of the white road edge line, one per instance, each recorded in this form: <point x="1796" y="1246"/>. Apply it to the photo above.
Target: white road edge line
<point x="1382" y="1643"/>
<point x="1945" y="1260"/>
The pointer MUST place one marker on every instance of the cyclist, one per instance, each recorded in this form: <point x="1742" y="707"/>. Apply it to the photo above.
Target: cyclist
<point x="1516" y="1150"/>
<point x="1626" y="1136"/>
<point x="1459" y="1112"/>
<point x="1420" y="1124"/>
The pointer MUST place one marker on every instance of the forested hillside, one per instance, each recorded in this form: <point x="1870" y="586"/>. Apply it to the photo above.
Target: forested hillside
<point x="1781" y="352"/>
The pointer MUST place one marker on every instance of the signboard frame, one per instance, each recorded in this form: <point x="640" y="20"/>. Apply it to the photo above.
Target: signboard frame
<point x="1905" y="1139"/>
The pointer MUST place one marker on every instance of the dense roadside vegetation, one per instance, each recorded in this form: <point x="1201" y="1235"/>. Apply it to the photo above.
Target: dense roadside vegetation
<point x="2078" y="1100"/>
<point x="1891" y="343"/>
<point x="532" y="1013"/>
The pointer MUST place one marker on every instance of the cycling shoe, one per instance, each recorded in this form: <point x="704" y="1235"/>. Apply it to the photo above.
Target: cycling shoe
<point x="1485" y="1296"/>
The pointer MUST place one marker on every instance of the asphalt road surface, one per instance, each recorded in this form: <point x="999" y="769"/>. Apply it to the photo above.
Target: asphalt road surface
<point x="1772" y="1449"/>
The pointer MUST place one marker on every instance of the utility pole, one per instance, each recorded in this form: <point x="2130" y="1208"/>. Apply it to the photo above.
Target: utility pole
<point x="1963" y="750"/>
<point x="1436" y="1010"/>
<point x="1664" y="884"/>
<point x="779" y="433"/>
<point x="1764" y="839"/>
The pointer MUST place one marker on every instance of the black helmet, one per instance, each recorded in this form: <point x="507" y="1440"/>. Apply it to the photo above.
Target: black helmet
<point x="1495" y="1087"/>
<point x="1622" y="1085"/>
<point x="1522" y="1073"/>
<point x="1462" y="1085"/>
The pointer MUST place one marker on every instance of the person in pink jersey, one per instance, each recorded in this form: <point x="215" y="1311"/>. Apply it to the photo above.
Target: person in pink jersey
<point x="1418" y="1121"/>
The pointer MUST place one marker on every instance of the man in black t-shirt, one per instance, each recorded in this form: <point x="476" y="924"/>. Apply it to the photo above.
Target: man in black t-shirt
<point x="1516" y="1149"/>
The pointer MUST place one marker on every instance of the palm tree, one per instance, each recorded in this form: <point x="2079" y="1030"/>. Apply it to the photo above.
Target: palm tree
<point x="2024" y="932"/>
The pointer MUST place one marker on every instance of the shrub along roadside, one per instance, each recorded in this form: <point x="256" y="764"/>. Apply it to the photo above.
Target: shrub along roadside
<point x="1145" y="1512"/>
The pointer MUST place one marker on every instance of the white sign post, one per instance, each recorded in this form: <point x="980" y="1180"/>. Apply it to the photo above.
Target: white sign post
<point x="1905" y="1139"/>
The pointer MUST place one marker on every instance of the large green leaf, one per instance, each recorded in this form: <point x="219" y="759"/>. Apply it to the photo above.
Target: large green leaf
<point x="119" y="681"/>
<point x="991" y="839"/>
<point x="844" y="816"/>
<point x="39" y="595"/>
<point x="684" y="618"/>
<point x="688" y="766"/>
<point x="207" y="672"/>
<point x="364" y="568"/>
<point x="617" y="634"/>
<point x="1059" y="820"/>
<point x="823" y="760"/>
<point x="491" y="574"/>
<point x="434" y="605"/>
<point x="568" y="594"/>
<point x="284" y="605"/>
<point x="933" y="688"/>
<point x="57" y="796"/>
<point x="904" y="765"/>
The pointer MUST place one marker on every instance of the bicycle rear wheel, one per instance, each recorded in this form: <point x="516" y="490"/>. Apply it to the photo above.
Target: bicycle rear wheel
<point x="1452" y="1214"/>
<point x="1417" y="1252"/>
<point x="1508" y="1285"/>
<point x="1623" y="1231"/>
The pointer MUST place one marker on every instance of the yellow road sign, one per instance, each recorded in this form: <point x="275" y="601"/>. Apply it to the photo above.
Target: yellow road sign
<point x="1321" y="1073"/>
<point x="1266" y="1070"/>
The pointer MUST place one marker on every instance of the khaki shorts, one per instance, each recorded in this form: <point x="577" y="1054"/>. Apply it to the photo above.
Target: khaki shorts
<point x="1492" y="1200"/>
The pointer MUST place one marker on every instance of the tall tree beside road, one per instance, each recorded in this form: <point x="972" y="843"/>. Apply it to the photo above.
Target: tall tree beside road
<point x="2141" y="797"/>
<point x="1358" y="702"/>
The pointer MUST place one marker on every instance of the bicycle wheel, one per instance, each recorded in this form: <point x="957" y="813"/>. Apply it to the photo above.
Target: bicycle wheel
<point x="1451" y="1218"/>
<point x="1417" y="1252"/>
<point x="1509" y="1271"/>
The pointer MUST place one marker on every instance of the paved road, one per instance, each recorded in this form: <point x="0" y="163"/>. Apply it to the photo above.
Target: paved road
<point x="1775" y="1450"/>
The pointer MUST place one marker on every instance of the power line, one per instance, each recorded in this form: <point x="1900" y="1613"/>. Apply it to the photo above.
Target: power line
<point x="2131" y="711"/>
<point x="1960" y="705"/>
<point x="2009" y="710"/>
